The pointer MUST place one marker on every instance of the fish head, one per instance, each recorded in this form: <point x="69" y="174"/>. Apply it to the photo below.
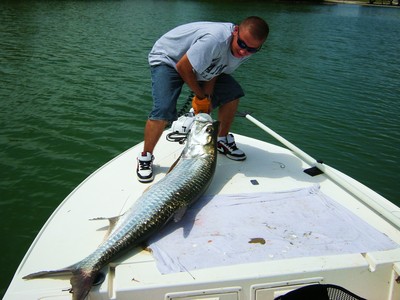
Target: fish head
<point x="202" y="138"/>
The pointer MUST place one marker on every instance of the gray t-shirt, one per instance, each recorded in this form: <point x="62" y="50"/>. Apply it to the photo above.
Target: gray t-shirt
<point x="207" y="44"/>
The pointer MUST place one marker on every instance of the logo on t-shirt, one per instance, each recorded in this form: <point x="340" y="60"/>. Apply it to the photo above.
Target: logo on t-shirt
<point x="213" y="70"/>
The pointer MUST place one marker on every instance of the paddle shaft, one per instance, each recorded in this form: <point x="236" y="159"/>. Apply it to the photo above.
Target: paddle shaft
<point x="334" y="175"/>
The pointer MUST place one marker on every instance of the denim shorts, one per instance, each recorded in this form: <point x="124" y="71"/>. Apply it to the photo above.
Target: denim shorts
<point x="167" y="86"/>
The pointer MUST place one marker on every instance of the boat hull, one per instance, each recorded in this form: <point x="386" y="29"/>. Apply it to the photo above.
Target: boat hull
<point x="268" y="169"/>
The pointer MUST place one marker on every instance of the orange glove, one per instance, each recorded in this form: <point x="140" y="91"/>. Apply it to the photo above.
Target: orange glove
<point x="201" y="105"/>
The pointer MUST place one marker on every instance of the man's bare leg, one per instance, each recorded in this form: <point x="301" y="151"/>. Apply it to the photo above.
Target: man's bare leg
<point x="227" y="146"/>
<point x="152" y="132"/>
<point x="226" y="114"/>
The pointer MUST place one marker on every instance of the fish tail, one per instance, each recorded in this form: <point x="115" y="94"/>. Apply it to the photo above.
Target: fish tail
<point x="81" y="279"/>
<point x="44" y="274"/>
<point x="82" y="282"/>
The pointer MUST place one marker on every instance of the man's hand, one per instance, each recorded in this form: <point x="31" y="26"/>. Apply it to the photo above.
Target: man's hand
<point x="201" y="105"/>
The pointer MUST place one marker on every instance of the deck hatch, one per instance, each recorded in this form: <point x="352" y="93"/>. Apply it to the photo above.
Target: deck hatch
<point x="314" y="171"/>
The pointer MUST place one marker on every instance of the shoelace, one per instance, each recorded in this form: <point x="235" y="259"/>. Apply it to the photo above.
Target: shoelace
<point x="144" y="165"/>
<point x="231" y="146"/>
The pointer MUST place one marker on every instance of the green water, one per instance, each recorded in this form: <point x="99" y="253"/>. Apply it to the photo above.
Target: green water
<point x="75" y="92"/>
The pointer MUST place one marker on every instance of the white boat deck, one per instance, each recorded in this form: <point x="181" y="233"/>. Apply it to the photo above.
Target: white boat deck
<point x="68" y="236"/>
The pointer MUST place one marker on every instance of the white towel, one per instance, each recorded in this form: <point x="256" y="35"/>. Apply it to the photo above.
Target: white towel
<point x="242" y="228"/>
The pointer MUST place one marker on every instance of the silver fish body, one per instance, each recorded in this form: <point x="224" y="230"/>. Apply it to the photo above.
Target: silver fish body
<point x="166" y="199"/>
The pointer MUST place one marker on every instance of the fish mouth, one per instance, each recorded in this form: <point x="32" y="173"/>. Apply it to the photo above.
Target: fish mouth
<point x="202" y="117"/>
<point x="202" y="137"/>
<point x="205" y="126"/>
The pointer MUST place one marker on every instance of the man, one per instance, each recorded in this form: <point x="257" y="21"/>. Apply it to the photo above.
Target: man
<point x="202" y="55"/>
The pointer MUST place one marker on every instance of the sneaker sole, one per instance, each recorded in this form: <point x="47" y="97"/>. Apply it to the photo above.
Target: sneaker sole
<point x="145" y="180"/>
<point x="237" y="158"/>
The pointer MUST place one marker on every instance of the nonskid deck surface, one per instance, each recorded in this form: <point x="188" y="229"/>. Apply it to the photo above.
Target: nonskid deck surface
<point x="69" y="235"/>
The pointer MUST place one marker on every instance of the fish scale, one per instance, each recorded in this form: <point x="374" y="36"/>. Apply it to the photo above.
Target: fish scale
<point x="153" y="209"/>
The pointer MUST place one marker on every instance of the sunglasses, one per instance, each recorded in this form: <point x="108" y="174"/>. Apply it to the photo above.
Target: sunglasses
<point x="243" y="45"/>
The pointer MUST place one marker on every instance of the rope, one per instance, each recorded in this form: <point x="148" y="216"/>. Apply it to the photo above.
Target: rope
<point x="187" y="105"/>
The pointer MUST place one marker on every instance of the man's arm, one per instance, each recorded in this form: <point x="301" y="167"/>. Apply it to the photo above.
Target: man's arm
<point x="185" y="70"/>
<point x="208" y="86"/>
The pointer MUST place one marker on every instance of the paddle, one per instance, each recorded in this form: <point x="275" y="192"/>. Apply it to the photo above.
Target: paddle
<point x="366" y="195"/>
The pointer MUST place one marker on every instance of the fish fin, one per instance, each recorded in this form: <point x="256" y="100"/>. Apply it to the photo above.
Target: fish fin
<point x="146" y="189"/>
<point x="81" y="283"/>
<point x="179" y="214"/>
<point x="45" y="274"/>
<point x="112" y="222"/>
<point x="169" y="170"/>
<point x="174" y="164"/>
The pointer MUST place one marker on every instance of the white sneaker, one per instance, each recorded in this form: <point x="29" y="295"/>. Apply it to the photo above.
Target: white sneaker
<point x="144" y="169"/>
<point x="229" y="148"/>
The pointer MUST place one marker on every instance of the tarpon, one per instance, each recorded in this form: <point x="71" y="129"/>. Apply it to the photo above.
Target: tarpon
<point x="165" y="200"/>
